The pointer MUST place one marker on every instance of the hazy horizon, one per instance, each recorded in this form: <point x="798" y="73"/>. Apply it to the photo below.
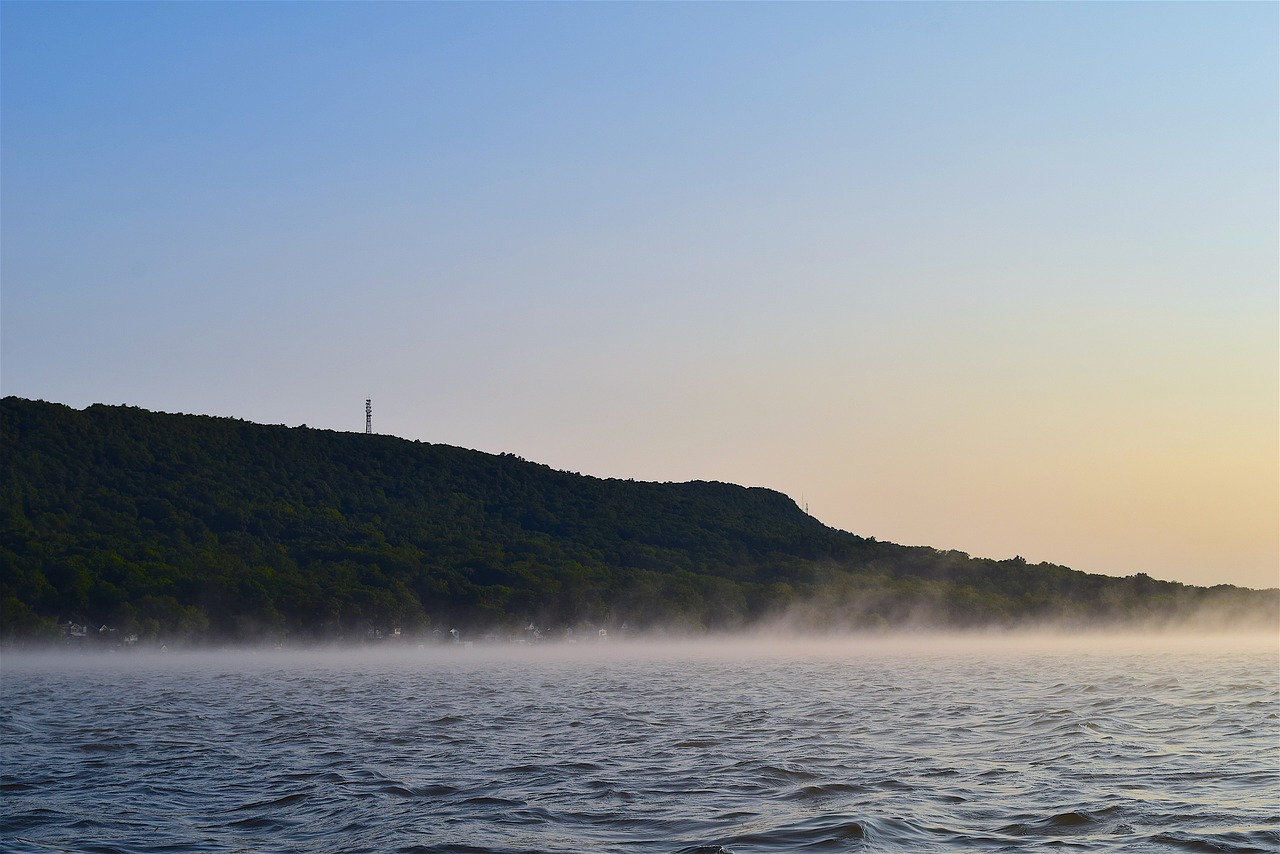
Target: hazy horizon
<point x="999" y="278"/>
<point x="1006" y="641"/>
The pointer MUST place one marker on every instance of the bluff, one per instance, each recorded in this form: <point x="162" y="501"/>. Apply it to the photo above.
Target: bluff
<point x="199" y="529"/>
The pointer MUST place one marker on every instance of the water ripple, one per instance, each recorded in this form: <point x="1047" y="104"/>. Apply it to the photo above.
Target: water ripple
<point x="671" y="755"/>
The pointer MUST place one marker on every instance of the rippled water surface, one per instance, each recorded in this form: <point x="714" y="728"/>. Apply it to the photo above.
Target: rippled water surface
<point x="892" y="746"/>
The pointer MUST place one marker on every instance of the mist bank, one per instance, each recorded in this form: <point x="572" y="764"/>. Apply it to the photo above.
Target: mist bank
<point x="756" y="645"/>
<point x="122" y="527"/>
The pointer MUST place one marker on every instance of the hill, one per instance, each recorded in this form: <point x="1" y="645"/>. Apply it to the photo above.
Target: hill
<point x="194" y="529"/>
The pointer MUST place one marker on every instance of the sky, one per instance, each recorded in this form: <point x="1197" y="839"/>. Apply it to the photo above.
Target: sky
<point x="995" y="277"/>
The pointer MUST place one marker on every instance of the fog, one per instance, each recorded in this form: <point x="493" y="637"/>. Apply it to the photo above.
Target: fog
<point x="759" y="646"/>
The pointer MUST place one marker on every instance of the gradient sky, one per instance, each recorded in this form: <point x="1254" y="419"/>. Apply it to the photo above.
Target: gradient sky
<point x="994" y="277"/>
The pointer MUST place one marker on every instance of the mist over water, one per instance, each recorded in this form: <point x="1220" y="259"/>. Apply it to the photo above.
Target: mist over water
<point x="1000" y="742"/>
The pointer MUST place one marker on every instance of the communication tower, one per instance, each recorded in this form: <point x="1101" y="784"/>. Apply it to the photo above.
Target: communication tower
<point x="368" y="415"/>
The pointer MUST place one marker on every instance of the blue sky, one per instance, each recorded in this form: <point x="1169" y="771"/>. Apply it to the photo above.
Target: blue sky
<point x="996" y="277"/>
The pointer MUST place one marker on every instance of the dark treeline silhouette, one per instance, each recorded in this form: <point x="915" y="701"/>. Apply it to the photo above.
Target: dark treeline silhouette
<point x="193" y="529"/>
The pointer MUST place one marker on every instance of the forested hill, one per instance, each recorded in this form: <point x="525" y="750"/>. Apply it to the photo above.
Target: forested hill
<point x="192" y="529"/>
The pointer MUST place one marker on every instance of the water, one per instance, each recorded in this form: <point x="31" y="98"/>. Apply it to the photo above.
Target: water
<point x="892" y="746"/>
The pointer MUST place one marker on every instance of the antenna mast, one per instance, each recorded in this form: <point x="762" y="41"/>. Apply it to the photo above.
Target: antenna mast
<point x="368" y="415"/>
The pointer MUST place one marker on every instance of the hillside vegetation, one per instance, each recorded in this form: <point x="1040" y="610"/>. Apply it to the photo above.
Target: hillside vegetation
<point x="194" y="529"/>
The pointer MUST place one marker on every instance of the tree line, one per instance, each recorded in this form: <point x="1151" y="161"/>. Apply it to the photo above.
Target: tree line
<point x="196" y="529"/>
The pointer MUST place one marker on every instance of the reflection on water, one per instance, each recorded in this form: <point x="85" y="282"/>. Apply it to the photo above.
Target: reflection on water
<point x="893" y="745"/>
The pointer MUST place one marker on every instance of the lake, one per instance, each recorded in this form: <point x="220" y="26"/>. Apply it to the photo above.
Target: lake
<point x="893" y="744"/>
